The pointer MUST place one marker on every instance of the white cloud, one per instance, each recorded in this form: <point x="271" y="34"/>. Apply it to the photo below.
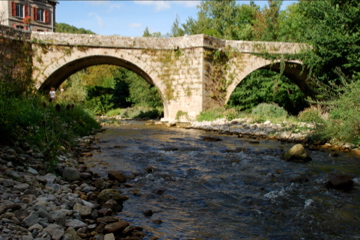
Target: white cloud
<point x="188" y="3"/>
<point x="111" y="5"/>
<point x="134" y="25"/>
<point x="160" y="5"/>
<point x="99" y="20"/>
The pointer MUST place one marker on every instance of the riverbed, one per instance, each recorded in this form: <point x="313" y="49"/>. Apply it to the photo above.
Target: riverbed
<point x="195" y="184"/>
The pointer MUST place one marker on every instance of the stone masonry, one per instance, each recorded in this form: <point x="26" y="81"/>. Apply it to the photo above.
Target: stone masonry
<point x="192" y="73"/>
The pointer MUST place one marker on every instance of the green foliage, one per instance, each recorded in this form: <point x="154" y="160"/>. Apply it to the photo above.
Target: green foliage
<point x="50" y="128"/>
<point x="99" y="99"/>
<point x="269" y="111"/>
<point x="311" y="115"/>
<point x="344" y="120"/>
<point x="217" y="113"/>
<point x="264" y="86"/>
<point x="148" y="34"/>
<point x="141" y="93"/>
<point x="137" y="112"/>
<point x="74" y="90"/>
<point x="181" y="114"/>
<point x="210" y="115"/>
<point x="332" y="28"/>
<point x="66" y="28"/>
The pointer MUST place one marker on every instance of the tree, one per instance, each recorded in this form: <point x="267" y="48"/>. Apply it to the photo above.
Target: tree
<point x="265" y="86"/>
<point x="332" y="29"/>
<point x="66" y="28"/>
<point x="176" y="30"/>
<point x="147" y="33"/>
<point x="266" y="25"/>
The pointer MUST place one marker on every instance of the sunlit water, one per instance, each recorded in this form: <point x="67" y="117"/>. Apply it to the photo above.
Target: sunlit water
<point x="229" y="189"/>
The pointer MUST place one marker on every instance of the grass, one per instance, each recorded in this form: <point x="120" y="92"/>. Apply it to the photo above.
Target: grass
<point x="137" y="112"/>
<point x="47" y="127"/>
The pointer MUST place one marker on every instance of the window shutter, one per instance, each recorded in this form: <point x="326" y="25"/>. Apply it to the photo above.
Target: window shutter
<point x="35" y="13"/>
<point x="47" y="16"/>
<point x="13" y="9"/>
<point x="26" y="10"/>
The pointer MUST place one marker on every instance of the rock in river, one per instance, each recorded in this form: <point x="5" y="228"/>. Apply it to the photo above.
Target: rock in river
<point x="296" y="154"/>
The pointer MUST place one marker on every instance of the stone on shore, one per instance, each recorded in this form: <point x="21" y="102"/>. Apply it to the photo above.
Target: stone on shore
<point x="55" y="231"/>
<point x="116" y="226"/>
<point x="71" y="174"/>
<point x="108" y="194"/>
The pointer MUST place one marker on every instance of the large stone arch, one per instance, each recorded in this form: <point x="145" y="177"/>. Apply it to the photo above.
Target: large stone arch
<point x="57" y="71"/>
<point x="56" y="78"/>
<point x="293" y="69"/>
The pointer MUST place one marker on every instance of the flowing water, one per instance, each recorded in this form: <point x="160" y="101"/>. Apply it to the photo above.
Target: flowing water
<point x="229" y="189"/>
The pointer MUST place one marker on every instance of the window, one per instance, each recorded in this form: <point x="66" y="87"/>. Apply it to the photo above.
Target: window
<point x="40" y="15"/>
<point x="19" y="10"/>
<point x="19" y="27"/>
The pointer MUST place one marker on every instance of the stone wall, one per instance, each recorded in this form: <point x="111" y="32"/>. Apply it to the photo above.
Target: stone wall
<point x="15" y="60"/>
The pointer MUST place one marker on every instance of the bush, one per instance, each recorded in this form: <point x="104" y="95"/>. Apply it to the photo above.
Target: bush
<point x="210" y="115"/>
<point x="113" y="112"/>
<point x="344" y="119"/>
<point x="311" y="115"/>
<point x="231" y="114"/>
<point x="269" y="111"/>
<point x="137" y="112"/>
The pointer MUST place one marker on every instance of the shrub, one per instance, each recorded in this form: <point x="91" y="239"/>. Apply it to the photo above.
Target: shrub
<point x="211" y="114"/>
<point x="267" y="110"/>
<point x="311" y="115"/>
<point x="114" y="112"/>
<point x="231" y="114"/>
<point x="344" y="119"/>
<point x="136" y="112"/>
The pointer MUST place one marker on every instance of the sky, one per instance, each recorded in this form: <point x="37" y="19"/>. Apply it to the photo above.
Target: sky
<point x="130" y="17"/>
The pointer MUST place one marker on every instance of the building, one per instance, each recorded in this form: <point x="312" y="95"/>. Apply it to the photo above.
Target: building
<point x="29" y="15"/>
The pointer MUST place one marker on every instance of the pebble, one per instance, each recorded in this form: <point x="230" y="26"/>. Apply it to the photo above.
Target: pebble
<point x="36" y="204"/>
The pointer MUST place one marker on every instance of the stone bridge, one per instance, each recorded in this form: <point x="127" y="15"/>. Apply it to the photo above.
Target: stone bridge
<point x="192" y="73"/>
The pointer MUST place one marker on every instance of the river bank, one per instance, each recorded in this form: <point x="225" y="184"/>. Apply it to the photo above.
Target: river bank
<point x="71" y="202"/>
<point x="285" y="132"/>
<point x="292" y="132"/>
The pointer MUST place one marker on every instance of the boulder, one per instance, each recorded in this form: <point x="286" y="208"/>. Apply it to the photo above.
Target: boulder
<point x="107" y="194"/>
<point x="116" y="175"/>
<point x="116" y="226"/>
<point x="296" y="154"/>
<point x="83" y="210"/>
<point x="340" y="182"/>
<point x="55" y="231"/>
<point x="71" y="174"/>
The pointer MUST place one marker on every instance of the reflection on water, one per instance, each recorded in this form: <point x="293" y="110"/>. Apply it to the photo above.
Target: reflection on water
<point x="229" y="189"/>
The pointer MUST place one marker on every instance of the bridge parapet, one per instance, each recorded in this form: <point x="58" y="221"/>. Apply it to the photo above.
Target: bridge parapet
<point x="266" y="47"/>
<point x="102" y="41"/>
<point x="187" y="41"/>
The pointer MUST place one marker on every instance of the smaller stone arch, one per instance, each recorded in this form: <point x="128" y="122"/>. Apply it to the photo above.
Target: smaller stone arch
<point x="292" y="69"/>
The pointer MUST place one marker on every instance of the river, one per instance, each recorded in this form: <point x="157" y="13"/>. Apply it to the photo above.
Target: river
<point x="235" y="188"/>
